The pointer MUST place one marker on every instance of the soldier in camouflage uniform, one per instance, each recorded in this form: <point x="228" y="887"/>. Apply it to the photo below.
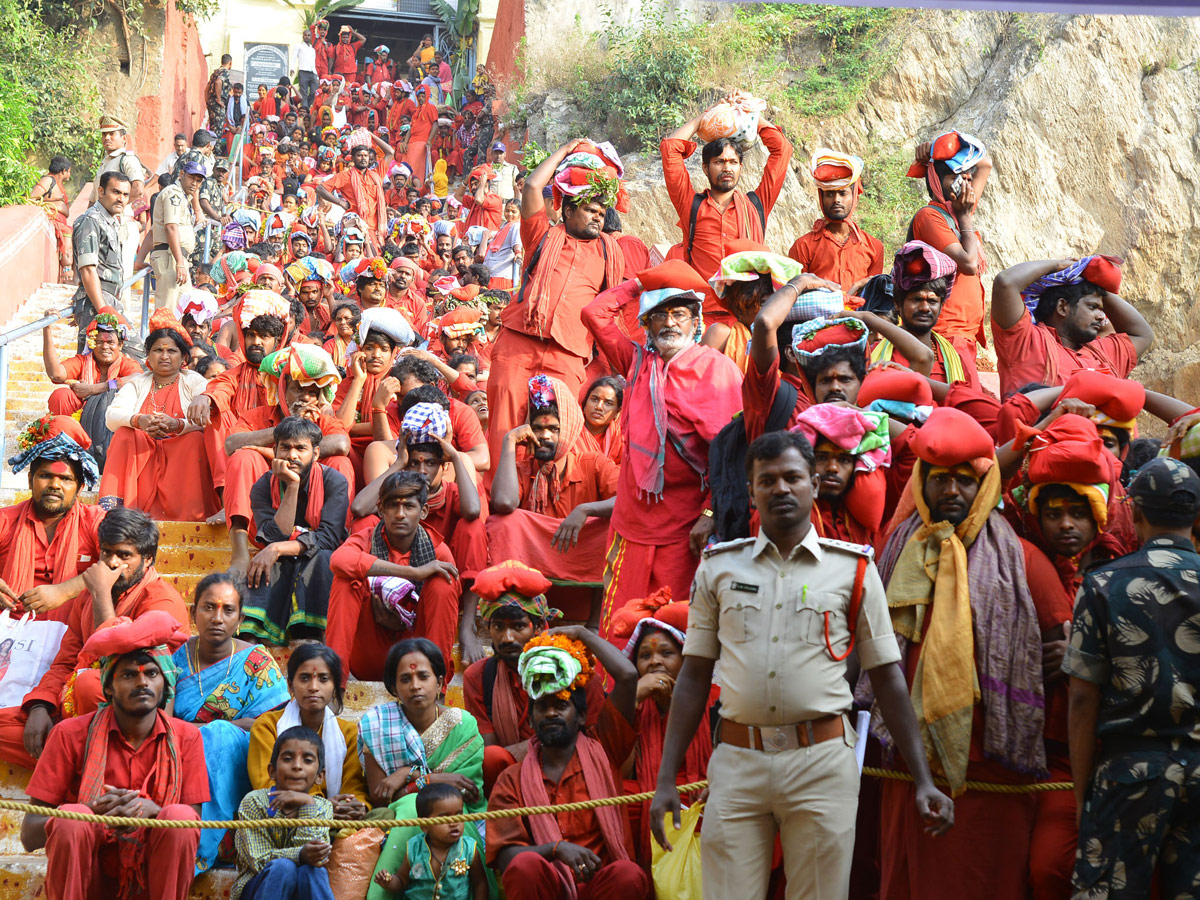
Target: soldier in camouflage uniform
<point x="1134" y="662"/>
<point x="216" y="95"/>
<point x="96" y="250"/>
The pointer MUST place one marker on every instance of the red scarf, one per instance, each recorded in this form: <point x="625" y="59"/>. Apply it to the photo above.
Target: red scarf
<point x="498" y="240"/>
<point x="651" y="728"/>
<point x="537" y="313"/>
<point x="316" y="499"/>
<point x="547" y="480"/>
<point x="597" y="775"/>
<point x="18" y="572"/>
<point x="163" y="787"/>
<point x="91" y="372"/>
<point x="508" y="708"/>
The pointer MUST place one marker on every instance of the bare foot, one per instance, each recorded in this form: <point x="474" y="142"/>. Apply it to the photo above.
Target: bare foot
<point x="216" y="519"/>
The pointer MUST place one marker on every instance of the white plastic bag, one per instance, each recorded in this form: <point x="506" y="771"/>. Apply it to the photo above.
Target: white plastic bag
<point x="27" y="648"/>
<point x="735" y="117"/>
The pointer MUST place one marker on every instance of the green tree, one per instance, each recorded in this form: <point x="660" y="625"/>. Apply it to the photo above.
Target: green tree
<point x="461" y="23"/>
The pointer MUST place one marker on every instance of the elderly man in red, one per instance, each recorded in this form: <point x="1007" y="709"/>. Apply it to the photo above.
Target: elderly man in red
<point x="566" y="267"/>
<point x="711" y="219"/>
<point x="585" y="854"/>
<point x="48" y="541"/>
<point x="102" y="367"/>
<point x="127" y="759"/>
<point x="837" y="249"/>
<point x="680" y="395"/>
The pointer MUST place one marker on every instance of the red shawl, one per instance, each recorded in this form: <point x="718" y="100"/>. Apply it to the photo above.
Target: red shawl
<point x="536" y="321"/>
<point x="597" y="775"/>
<point x="316" y="499"/>
<point x="508" y="708"/>
<point x="163" y="787"/>
<point x="545" y="488"/>
<point x="22" y="550"/>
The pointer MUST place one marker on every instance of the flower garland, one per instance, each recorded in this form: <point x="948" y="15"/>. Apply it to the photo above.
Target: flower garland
<point x="574" y="649"/>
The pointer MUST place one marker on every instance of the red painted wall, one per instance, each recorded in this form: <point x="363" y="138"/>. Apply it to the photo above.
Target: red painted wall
<point x="179" y="105"/>
<point x="506" y="38"/>
<point x="28" y="255"/>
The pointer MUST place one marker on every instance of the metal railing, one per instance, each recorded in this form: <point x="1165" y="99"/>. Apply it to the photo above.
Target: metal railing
<point x="15" y="334"/>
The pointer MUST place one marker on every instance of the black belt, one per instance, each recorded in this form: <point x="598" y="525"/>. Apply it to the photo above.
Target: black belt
<point x="161" y="247"/>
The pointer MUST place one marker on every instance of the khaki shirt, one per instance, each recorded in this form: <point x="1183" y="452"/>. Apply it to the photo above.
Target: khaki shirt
<point x="123" y="161"/>
<point x="172" y="207"/>
<point x="763" y="617"/>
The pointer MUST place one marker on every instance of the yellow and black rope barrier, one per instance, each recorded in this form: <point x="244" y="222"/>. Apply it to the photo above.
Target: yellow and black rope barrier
<point x="1036" y="787"/>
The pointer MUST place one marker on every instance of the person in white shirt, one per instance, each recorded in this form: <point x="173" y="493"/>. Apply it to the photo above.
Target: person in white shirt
<point x="306" y="70"/>
<point x="168" y="163"/>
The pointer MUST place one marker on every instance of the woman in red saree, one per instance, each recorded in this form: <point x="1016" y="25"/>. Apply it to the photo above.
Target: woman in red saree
<point x="655" y="629"/>
<point x="156" y="460"/>
<point x="601" y="401"/>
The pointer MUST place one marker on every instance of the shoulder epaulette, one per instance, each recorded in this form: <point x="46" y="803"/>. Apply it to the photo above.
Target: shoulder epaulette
<point x="857" y="549"/>
<point x="726" y="546"/>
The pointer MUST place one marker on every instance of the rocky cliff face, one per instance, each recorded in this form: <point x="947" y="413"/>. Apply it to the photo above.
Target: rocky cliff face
<point x="1094" y="126"/>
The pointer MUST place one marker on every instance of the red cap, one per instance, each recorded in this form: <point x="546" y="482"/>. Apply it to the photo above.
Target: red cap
<point x="950" y="437"/>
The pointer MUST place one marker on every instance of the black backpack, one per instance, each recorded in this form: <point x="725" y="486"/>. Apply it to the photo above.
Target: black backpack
<point x="727" y="466"/>
<point x="697" y="199"/>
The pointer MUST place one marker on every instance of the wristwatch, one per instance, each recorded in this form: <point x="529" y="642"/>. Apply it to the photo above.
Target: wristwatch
<point x="706" y="512"/>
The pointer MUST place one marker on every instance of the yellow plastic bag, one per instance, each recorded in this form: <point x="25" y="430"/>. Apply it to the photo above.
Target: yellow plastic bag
<point x="677" y="873"/>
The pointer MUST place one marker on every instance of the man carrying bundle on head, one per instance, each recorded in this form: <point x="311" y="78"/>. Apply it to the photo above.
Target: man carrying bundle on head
<point x="680" y="395"/>
<point x="297" y="519"/>
<point x="48" y="541"/>
<point x="837" y="249"/>
<point x="587" y="855"/>
<point x="922" y="279"/>
<point x="566" y="266"/>
<point x="395" y="580"/>
<point x="542" y="501"/>
<point x="313" y="277"/>
<point x="1054" y="317"/>
<point x="129" y="758"/>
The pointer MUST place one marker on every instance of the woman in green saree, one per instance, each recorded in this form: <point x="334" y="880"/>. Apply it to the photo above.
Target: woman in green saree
<point x="414" y="741"/>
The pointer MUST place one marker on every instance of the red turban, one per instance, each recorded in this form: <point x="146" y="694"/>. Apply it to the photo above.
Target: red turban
<point x="1117" y="400"/>
<point x="674" y="273"/>
<point x="839" y="334"/>
<point x="894" y="384"/>
<point x="950" y="438"/>
<point x="510" y="576"/>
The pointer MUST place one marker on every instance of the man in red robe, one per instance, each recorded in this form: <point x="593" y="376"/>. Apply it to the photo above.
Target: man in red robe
<point x="837" y="248"/>
<point x="362" y="625"/>
<point x="551" y="500"/>
<point x="586" y="854"/>
<point x="102" y="367"/>
<point x="484" y="206"/>
<point x="680" y="395"/>
<point x="403" y="293"/>
<point x="722" y="212"/>
<point x="128" y="759"/>
<point x="361" y="190"/>
<point x="566" y="267"/>
<point x="261" y="319"/>
<point x="122" y="583"/>
<point x="48" y="541"/>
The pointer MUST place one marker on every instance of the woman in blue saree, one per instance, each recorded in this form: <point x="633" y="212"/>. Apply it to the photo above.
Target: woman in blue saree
<point x="224" y="685"/>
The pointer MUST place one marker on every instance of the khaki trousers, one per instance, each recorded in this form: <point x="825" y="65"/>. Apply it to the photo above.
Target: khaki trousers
<point x="166" y="291"/>
<point x="808" y="796"/>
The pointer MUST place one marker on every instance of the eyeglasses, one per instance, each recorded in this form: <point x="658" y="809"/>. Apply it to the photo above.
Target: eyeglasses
<point x="678" y="316"/>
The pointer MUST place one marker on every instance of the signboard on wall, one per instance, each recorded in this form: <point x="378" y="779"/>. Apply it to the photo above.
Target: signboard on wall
<point x="265" y="64"/>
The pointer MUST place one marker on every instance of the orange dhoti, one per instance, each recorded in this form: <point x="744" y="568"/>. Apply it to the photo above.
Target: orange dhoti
<point x="517" y="357"/>
<point x="215" y="432"/>
<point x="247" y="465"/>
<point x="167" y="479"/>
<point x="63" y="402"/>
<point x="87" y="696"/>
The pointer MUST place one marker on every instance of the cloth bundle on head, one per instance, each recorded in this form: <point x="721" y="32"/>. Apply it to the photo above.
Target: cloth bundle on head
<point x="310" y="268"/>
<point x="260" y="302"/>
<point x="389" y="321"/>
<point x="445" y="285"/>
<point x="269" y="270"/>
<point x="901" y="393"/>
<point x="918" y="263"/>
<point x="247" y="218"/>
<point x="831" y="169"/>
<point x="409" y="225"/>
<point x="957" y="149"/>
<point x="512" y="583"/>
<point x="232" y="269"/>
<point x="305" y="364"/>
<point x="234" y="237"/>
<point x="670" y="280"/>
<point x="156" y="632"/>
<point x="591" y="172"/>
<point x="108" y="319"/>
<point x="201" y="305"/>
<point x="277" y="223"/>
<point x="553" y="664"/>
<point x="360" y="137"/>
<point x="462" y="321"/>
<point x="545" y="390"/>
<point x="424" y="423"/>
<point x="1069" y="452"/>
<point x="748" y="265"/>
<point x="862" y="433"/>
<point x="812" y="338"/>
<point x="951" y="438"/>
<point x="1102" y="271"/>
<point x="164" y="318"/>
<point x="485" y="171"/>
<point x="56" y="437"/>
<point x="396" y="594"/>
<point x="363" y="267"/>
<point x="1117" y="401"/>
<point x="658" y="610"/>
<point x="735" y="117"/>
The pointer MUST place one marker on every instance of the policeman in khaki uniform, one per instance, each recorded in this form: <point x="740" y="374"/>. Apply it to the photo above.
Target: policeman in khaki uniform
<point x="173" y="225"/>
<point x="118" y="158"/>
<point x="776" y="611"/>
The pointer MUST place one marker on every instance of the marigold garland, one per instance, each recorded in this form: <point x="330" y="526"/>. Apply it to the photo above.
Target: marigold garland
<point x="576" y="649"/>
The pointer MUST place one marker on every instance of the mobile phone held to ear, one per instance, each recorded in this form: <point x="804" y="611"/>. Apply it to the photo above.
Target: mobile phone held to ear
<point x="956" y="187"/>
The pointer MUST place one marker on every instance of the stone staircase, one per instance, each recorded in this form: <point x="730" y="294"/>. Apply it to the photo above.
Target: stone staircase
<point x="187" y="552"/>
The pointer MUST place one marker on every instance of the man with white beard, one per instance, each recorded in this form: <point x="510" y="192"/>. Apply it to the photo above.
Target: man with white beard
<point x="679" y="395"/>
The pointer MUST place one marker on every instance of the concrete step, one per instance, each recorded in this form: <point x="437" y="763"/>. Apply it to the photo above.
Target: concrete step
<point x="22" y="876"/>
